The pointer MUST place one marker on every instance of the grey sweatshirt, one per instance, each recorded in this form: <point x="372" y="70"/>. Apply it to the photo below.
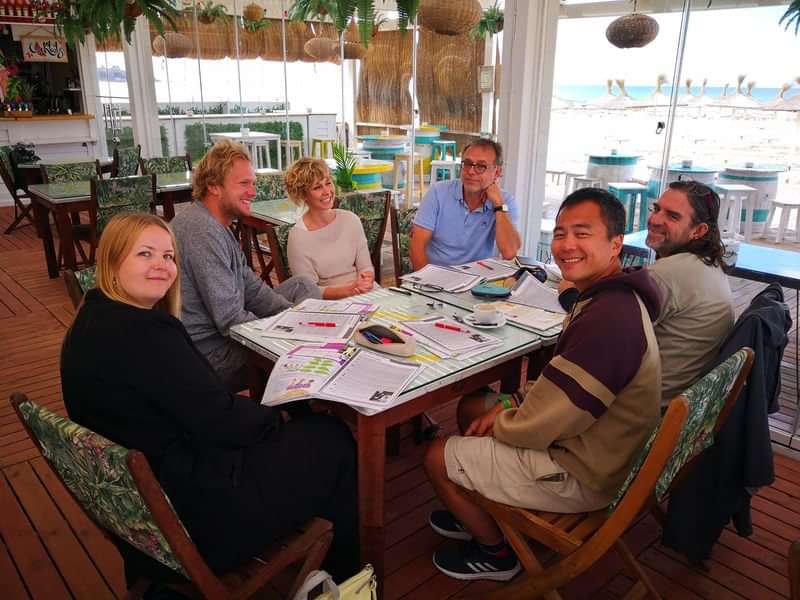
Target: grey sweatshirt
<point x="218" y="289"/>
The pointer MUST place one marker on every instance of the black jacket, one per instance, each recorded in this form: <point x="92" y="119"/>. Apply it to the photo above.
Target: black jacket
<point x="716" y="489"/>
<point x="237" y="477"/>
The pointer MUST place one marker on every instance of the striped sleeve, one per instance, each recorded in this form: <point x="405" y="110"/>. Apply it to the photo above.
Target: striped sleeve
<point x="598" y="354"/>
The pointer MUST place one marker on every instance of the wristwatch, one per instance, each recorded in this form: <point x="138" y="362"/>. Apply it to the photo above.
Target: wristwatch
<point x="501" y="208"/>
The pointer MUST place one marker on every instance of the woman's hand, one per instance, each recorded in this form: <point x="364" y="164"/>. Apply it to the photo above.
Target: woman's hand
<point x="364" y="282"/>
<point x="483" y="425"/>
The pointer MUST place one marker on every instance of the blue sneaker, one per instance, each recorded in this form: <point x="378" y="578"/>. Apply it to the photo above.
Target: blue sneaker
<point x="467" y="562"/>
<point x="445" y="524"/>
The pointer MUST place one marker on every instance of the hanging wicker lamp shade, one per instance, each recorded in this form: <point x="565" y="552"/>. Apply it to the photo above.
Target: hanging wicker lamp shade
<point x="632" y="31"/>
<point x="321" y="48"/>
<point x="354" y="51"/>
<point x="449" y="17"/>
<point x="252" y="12"/>
<point x="172" y="45"/>
<point x="132" y="9"/>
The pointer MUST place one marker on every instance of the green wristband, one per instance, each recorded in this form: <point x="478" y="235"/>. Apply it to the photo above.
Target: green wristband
<point x="505" y="400"/>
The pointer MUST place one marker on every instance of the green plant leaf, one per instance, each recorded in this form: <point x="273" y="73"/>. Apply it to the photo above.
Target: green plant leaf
<point x="791" y="16"/>
<point x="407" y="10"/>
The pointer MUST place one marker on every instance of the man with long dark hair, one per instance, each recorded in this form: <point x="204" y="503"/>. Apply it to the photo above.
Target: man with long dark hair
<point x="697" y="307"/>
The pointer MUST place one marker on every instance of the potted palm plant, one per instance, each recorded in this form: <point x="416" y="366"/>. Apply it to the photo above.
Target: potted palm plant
<point x="345" y="165"/>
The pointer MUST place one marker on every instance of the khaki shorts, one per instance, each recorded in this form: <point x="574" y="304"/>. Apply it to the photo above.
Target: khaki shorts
<point x="517" y="476"/>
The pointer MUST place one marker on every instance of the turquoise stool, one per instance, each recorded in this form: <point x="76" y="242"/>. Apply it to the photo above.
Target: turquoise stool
<point x="629" y="193"/>
<point x="440" y="148"/>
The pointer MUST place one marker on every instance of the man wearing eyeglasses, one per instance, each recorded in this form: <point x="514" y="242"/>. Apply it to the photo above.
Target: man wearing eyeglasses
<point x="470" y="218"/>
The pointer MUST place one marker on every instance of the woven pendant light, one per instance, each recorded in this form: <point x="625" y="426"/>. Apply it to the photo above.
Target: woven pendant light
<point x="632" y="31"/>
<point x="172" y="45"/>
<point x="132" y="9"/>
<point x="321" y="48"/>
<point x="449" y="17"/>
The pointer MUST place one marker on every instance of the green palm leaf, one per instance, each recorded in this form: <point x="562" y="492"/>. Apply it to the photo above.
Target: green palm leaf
<point x="792" y="16"/>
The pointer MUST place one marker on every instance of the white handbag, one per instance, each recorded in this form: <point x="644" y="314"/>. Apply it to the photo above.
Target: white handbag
<point x="360" y="586"/>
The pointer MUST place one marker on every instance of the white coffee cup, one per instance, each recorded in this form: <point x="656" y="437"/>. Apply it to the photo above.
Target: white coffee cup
<point x="485" y="314"/>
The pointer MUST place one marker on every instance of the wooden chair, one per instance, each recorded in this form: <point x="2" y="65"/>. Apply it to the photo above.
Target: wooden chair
<point x="794" y="570"/>
<point x="402" y="220"/>
<point x="120" y="195"/>
<point x="118" y="490"/>
<point x="21" y="210"/>
<point x="373" y="210"/>
<point x="68" y="173"/>
<point x="269" y="186"/>
<point x="687" y="428"/>
<point x="126" y="161"/>
<point x="168" y="164"/>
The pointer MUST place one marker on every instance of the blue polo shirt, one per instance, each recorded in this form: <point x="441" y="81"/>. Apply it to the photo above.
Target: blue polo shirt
<point x="459" y="235"/>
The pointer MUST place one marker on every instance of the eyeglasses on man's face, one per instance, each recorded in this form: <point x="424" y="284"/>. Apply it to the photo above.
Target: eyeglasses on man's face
<point x="480" y="167"/>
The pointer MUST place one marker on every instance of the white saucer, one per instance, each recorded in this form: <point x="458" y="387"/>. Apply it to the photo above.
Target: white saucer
<point x="470" y="320"/>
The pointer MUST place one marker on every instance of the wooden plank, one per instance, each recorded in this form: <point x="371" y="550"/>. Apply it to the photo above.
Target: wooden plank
<point x="11" y="586"/>
<point x="37" y="571"/>
<point x="100" y="549"/>
<point x="69" y="556"/>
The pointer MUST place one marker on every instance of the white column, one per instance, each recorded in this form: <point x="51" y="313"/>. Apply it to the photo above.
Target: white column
<point x="87" y="64"/>
<point x="487" y="98"/>
<point x="142" y="90"/>
<point x="526" y="89"/>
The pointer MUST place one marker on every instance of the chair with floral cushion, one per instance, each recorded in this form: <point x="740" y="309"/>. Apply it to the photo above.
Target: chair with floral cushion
<point x="278" y="238"/>
<point x="168" y="164"/>
<point x="69" y="172"/>
<point x="78" y="283"/>
<point x="687" y="428"/>
<point x="120" y="195"/>
<point x="634" y="256"/>
<point x="402" y="220"/>
<point x="118" y="490"/>
<point x="21" y="210"/>
<point x="126" y="161"/>
<point x="373" y="210"/>
<point x="270" y="186"/>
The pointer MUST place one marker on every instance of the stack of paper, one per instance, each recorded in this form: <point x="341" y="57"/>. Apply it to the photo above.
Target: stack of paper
<point x="442" y="279"/>
<point x="528" y="316"/>
<point x="532" y="292"/>
<point x="368" y="381"/>
<point x="308" y="326"/>
<point x="346" y="306"/>
<point x="488" y="270"/>
<point x="450" y="339"/>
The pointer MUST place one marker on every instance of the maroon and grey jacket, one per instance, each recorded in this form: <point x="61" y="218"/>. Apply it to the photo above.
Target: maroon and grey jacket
<point x="598" y="399"/>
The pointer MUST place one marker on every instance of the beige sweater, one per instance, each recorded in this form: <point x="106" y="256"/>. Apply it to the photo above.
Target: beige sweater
<point x="333" y="255"/>
<point x="696" y="317"/>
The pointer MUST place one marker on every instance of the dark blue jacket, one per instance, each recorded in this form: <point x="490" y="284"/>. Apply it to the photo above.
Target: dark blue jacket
<point x="716" y="489"/>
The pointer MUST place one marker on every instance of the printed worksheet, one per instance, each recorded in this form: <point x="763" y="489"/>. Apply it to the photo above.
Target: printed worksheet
<point x="487" y="269"/>
<point x="301" y="373"/>
<point x="371" y="380"/>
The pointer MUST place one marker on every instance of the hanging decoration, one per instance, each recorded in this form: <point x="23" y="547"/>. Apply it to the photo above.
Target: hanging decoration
<point x="449" y="17"/>
<point x="632" y="31"/>
<point x="172" y="45"/>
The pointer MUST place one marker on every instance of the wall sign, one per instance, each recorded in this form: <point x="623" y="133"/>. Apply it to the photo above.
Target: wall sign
<point x="44" y="49"/>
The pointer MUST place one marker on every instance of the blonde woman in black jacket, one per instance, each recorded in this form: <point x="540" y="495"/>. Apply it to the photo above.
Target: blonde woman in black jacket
<point x="238" y="476"/>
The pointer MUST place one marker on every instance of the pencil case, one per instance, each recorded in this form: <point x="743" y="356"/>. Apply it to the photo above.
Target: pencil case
<point x="382" y="339"/>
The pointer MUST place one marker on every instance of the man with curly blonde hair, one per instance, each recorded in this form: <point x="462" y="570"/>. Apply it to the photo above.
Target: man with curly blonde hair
<point x="219" y="290"/>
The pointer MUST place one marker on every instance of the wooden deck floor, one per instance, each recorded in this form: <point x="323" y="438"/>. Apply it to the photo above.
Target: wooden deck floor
<point x="49" y="550"/>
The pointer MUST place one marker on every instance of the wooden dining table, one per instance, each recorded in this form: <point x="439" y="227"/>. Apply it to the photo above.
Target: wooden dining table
<point x="66" y="199"/>
<point x="442" y="380"/>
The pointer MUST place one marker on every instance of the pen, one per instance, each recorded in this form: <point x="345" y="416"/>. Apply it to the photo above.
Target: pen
<point x="403" y="331"/>
<point x="318" y="324"/>
<point x="484" y="265"/>
<point x="399" y="291"/>
<point x="449" y="327"/>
